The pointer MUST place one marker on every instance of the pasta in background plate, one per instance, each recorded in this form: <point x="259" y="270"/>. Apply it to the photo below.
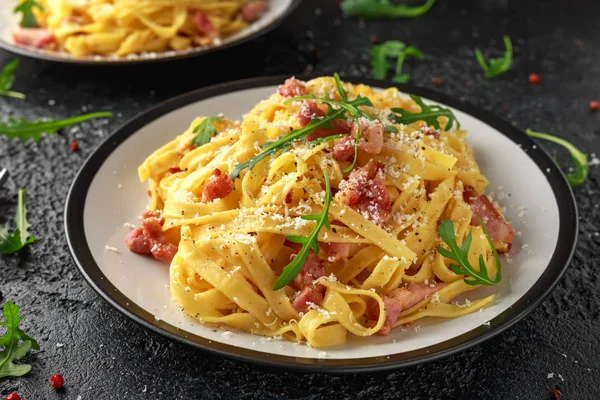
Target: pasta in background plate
<point x="124" y="27"/>
<point x="233" y="204"/>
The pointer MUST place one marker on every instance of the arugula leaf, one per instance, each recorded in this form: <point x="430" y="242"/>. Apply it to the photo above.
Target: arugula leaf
<point x="380" y="53"/>
<point x="409" y="51"/>
<point x="461" y="256"/>
<point x="205" y="131"/>
<point x="428" y="114"/>
<point x="579" y="158"/>
<point x="390" y="128"/>
<point x="25" y="130"/>
<point x="26" y="7"/>
<point x="349" y="105"/>
<point x="291" y="270"/>
<point x="390" y="49"/>
<point x="285" y="141"/>
<point x="10" y="243"/>
<point x="322" y="140"/>
<point x="383" y="8"/>
<point x="496" y="66"/>
<point x="14" y="351"/>
<point x="7" y="78"/>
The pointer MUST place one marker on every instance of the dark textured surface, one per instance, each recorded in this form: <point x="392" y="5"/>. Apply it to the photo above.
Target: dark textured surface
<point x="105" y="356"/>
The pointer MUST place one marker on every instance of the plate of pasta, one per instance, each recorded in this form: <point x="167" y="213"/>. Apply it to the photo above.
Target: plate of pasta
<point x="133" y="31"/>
<point x="321" y="224"/>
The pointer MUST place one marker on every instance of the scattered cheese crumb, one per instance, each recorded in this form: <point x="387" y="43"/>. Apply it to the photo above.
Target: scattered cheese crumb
<point x="110" y="248"/>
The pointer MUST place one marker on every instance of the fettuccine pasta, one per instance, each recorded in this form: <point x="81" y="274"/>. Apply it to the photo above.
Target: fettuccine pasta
<point x="230" y="229"/>
<point x="125" y="27"/>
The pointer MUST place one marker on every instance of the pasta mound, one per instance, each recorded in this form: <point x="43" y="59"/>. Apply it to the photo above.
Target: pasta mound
<point x="125" y="27"/>
<point x="377" y="268"/>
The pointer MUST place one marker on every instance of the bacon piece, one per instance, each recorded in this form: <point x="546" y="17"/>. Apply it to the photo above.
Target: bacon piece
<point x="309" y="294"/>
<point x="219" y="185"/>
<point x="501" y="231"/>
<point x="398" y="300"/>
<point x="371" y="140"/>
<point x="204" y="26"/>
<point x="253" y="10"/>
<point x="343" y="150"/>
<point x="289" y="196"/>
<point x="312" y="270"/>
<point x="150" y="238"/>
<point x="366" y="193"/>
<point x="292" y="87"/>
<point x="40" y="38"/>
<point x="137" y="242"/>
<point x="427" y="130"/>
<point x="335" y="251"/>
<point x="309" y="110"/>
<point x="371" y="135"/>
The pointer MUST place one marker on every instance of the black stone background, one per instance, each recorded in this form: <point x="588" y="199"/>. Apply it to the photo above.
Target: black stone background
<point x="106" y="356"/>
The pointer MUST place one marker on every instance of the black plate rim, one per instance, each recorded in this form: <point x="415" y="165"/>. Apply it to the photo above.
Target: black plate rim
<point x="48" y="56"/>
<point x="567" y="237"/>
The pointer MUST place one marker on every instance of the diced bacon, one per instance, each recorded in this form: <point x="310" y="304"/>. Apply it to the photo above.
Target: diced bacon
<point x="366" y="193"/>
<point x="308" y="295"/>
<point x="501" y="231"/>
<point x="253" y="10"/>
<point x="398" y="300"/>
<point x="311" y="109"/>
<point x="427" y="130"/>
<point x="312" y="270"/>
<point x="219" y="185"/>
<point x="335" y="251"/>
<point x="150" y="239"/>
<point x="371" y="140"/>
<point x="289" y="196"/>
<point x="308" y="110"/>
<point x="204" y="26"/>
<point x="343" y="150"/>
<point x="292" y="87"/>
<point x="36" y="37"/>
<point x="137" y="242"/>
<point x="371" y="135"/>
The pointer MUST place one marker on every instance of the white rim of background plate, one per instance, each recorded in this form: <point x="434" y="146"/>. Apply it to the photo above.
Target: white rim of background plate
<point x="277" y="12"/>
<point x="107" y="193"/>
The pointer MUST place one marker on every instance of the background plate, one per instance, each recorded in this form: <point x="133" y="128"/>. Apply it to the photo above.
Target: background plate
<point x="278" y="10"/>
<point x="107" y="193"/>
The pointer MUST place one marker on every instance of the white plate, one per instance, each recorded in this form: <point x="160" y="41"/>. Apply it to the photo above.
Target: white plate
<point x="277" y="12"/>
<point x="107" y="193"/>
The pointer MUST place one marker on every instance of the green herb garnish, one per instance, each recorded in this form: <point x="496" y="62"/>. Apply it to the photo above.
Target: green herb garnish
<point x="26" y="7"/>
<point x="580" y="160"/>
<point x="318" y="141"/>
<point x="351" y="106"/>
<point x="390" y="128"/>
<point x="10" y="243"/>
<point x="390" y="49"/>
<point x="205" y="130"/>
<point x="461" y="256"/>
<point x="20" y="128"/>
<point x="383" y="8"/>
<point x="428" y="114"/>
<point x="7" y="78"/>
<point x="286" y="141"/>
<point x="344" y="106"/>
<point x="291" y="270"/>
<point x="14" y="351"/>
<point x="496" y="66"/>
